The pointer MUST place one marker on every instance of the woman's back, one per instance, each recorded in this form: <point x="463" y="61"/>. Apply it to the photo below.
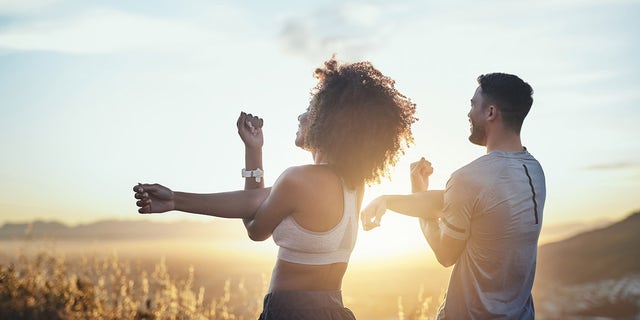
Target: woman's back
<point x="317" y="238"/>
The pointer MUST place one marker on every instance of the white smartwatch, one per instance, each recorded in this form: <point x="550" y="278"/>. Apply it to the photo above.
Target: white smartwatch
<point x="257" y="173"/>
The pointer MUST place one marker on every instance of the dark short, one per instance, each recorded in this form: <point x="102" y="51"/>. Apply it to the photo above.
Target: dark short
<point x="307" y="305"/>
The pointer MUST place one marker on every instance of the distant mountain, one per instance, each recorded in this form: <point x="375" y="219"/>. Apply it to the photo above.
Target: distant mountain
<point x="125" y="230"/>
<point x="607" y="253"/>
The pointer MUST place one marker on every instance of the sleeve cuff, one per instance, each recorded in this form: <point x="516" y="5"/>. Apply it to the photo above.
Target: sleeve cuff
<point x="452" y="231"/>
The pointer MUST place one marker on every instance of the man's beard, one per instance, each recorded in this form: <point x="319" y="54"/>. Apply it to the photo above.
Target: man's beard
<point x="478" y="135"/>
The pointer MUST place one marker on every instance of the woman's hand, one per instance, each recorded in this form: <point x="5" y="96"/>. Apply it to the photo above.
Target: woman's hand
<point x="153" y="198"/>
<point x="420" y="172"/>
<point x="250" y="130"/>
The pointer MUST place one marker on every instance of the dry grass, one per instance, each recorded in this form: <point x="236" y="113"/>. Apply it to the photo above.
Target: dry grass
<point x="426" y="308"/>
<point x="47" y="287"/>
<point x="48" y="284"/>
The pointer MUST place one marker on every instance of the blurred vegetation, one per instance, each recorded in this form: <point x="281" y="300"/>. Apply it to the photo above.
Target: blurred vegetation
<point x="592" y="274"/>
<point x="47" y="287"/>
<point x="426" y="309"/>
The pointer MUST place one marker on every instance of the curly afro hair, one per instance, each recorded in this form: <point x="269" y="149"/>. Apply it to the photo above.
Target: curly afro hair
<point x="359" y="121"/>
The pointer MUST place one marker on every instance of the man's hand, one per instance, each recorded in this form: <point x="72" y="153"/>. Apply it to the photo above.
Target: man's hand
<point x="153" y="198"/>
<point x="250" y="130"/>
<point x="372" y="214"/>
<point x="420" y="172"/>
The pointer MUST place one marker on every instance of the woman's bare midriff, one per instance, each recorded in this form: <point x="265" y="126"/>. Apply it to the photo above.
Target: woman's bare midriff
<point x="288" y="276"/>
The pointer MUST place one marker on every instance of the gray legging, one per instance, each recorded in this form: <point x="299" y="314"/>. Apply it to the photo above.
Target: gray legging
<point x="305" y="305"/>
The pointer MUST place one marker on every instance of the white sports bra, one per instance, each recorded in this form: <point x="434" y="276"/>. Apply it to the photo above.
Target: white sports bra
<point x="299" y="245"/>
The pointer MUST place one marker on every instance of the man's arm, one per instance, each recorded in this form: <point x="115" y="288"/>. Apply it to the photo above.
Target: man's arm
<point x="419" y="172"/>
<point x="425" y="204"/>
<point x="446" y="248"/>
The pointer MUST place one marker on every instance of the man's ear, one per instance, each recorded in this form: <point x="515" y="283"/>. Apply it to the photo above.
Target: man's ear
<point x="492" y="112"/>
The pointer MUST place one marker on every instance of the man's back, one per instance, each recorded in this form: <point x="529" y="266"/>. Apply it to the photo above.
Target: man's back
<point x="495" y="203"/>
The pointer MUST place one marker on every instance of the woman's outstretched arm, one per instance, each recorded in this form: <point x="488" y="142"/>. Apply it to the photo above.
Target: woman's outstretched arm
<point x="155" y="198"/>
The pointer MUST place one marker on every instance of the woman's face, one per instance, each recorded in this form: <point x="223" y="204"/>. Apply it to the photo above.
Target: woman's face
<point x="303" y="129"/>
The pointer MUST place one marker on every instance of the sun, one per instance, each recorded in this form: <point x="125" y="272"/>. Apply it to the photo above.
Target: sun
<point x="397" y="235"/>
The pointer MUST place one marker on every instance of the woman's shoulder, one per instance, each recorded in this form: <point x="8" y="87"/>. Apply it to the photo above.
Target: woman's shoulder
<point x="308" y="174"/>
<point x="310" y="169"/>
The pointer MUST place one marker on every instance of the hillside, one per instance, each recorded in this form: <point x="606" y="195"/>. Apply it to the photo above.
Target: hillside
<point x="593" y="275"/>
<point x="607" y="253"/>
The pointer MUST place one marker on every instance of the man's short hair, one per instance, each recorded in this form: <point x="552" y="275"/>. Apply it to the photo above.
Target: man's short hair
<point x="510" y="94"/>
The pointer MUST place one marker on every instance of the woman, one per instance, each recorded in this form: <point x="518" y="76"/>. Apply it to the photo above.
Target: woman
<point x="356" y="127"/>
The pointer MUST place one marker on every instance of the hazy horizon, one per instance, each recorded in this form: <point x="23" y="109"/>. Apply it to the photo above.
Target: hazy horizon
<point x="377" y="245"/>
<point x="383" y="286"/>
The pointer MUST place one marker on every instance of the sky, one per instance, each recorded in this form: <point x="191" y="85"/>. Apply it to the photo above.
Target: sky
<point x="100" y="95"/>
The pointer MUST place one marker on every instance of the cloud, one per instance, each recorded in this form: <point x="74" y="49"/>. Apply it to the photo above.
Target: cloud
<point x="614" y="166"/>
<point x="352" y="30"/>
<point x="102" y="31"/>
<point x="582" y="3"/>
<point x="24" y="6"/>
<point x="359" y="29"/>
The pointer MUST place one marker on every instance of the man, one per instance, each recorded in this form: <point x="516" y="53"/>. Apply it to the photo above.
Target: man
<point x="488" y="219"/>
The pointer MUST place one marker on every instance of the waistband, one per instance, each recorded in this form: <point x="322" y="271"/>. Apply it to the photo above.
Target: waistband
<point x="304" y="299"/>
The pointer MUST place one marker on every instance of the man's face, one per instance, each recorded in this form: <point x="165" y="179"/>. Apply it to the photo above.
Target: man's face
<point x="476" y="119"/>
